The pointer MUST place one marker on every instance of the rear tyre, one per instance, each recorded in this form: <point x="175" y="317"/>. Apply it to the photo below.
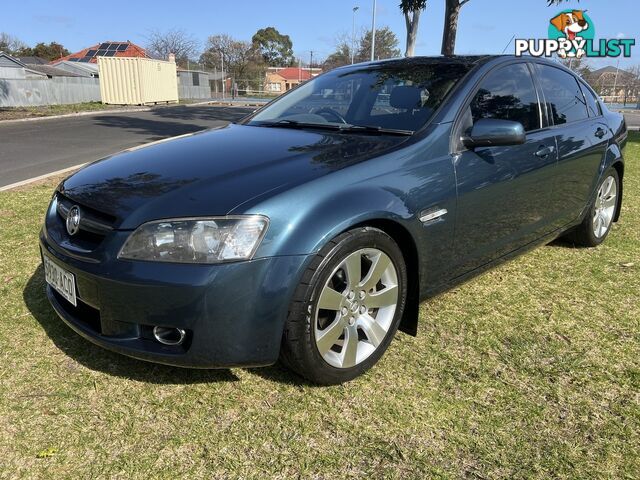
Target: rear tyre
<point x="597" y="223"/>
<point x="347" y="307"/>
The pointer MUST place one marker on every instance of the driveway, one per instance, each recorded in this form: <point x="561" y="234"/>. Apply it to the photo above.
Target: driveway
<point x="30" y="149"/>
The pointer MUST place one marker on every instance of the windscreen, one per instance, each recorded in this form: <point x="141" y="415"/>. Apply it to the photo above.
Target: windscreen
<point x="398" y="95"/>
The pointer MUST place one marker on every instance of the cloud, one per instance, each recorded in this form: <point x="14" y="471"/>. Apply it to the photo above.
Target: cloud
<point x="57" y="19"/>
<point x="621" y="35"/>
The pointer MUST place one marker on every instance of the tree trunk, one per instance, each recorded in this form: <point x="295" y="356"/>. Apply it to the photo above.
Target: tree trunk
<point x="412" y="32"/>
<point x="451" y="13"/>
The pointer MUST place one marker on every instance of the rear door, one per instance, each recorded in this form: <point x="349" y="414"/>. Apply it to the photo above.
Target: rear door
<point x="582" y="139"/>
<point x="504" y="193"/>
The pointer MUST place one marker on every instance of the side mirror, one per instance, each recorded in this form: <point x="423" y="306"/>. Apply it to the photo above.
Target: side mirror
<point x="491" y="132"/>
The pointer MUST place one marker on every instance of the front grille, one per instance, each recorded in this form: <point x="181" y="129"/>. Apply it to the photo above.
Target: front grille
<point x="94" y="225"/>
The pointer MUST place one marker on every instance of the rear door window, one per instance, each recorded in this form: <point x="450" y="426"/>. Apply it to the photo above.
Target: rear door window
<point x="592" y="103"/>
<point x="564" y="98"/>
<point x="508" y="93"/>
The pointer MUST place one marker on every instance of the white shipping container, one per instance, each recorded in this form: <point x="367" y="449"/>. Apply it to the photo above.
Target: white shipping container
<point x="137" y="81"/>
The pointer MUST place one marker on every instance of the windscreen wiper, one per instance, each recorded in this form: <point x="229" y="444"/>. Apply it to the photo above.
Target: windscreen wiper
<point x="375" y="129"/>
<point x="296" y="124"/>
<point x="343" y="127"/>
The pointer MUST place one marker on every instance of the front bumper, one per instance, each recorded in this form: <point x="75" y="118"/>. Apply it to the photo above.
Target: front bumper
<point x="233" y="313"/>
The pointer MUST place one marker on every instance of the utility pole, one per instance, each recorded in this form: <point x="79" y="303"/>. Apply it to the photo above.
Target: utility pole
<point x="373" y="32"/>
<point x="615" y="82"/>
<point x="223" y="79"/>
<point x="353" y="36"/>
<point x="311" y="62"/>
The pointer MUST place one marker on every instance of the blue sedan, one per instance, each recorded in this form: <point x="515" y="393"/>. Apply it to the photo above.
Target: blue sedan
<point x="310" y="231"/>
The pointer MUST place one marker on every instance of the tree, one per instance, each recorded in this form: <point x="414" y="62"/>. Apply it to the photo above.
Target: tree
<point x="10" y="44"/>
<point x="386" y="45"/>
<point x="339" y="58"/>
<point x="242" y="61"/>
<point x="411" y="10"/>
<point x="50" y="51"/>
<point x="451" y="14"/>
<point x="181" y="44"/>
<point x="578" y="65"/>
<point x="276" y="49"/>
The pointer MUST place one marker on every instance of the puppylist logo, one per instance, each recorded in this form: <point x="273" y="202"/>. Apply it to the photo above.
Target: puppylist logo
<point x="572" y="34"/>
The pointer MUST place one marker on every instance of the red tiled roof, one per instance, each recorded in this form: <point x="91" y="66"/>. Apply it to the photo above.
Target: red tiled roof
<point x="294" y="73"/>
<point x="132" y="50"/>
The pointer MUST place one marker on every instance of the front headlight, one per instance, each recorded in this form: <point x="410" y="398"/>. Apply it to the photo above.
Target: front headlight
<point x="196" y="240"/>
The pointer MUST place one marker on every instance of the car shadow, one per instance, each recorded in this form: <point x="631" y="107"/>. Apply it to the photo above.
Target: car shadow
<point x="99" y="359"/>
<point x="157" y="129"/>
<point x="562" y="243"/>
<point x="207" y="113"/>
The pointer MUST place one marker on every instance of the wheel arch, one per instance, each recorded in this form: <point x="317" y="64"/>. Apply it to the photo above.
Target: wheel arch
<point x="613" y="158"/>
<point x="400" y="235"/>
<point x="619" y="166"/>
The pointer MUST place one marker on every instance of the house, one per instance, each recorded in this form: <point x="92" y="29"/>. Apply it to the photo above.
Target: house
<point x="614" y="85"/>
<point x="52" y="72"/>
<point x="11" y="67"/>
<point x="193" y="78"/>
<point x="105" y="49"/>
<point x="193" y="84"/>
<point x="280" y="79"/>
<point x="33" y="60"/>
<point x="83" y="69"/>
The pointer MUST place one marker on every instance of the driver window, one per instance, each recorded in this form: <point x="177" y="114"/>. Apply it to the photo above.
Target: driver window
<point x="508" y="94"/>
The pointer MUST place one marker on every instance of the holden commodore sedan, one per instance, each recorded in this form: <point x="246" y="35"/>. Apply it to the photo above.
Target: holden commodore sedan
<point x="311" y="230"/>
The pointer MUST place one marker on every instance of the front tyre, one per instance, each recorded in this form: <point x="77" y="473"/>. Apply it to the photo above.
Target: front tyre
<point x="599" y="219"/>
<point x="347" y="308"/>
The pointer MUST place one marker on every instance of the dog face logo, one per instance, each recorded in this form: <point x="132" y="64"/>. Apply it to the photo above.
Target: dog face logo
<point x="571" y="24"/>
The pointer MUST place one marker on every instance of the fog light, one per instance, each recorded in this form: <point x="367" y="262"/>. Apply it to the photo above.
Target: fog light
<point x="169" y="335"/>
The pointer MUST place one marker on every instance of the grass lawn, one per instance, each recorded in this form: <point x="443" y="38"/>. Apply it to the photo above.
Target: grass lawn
<point x="529" y="371"/>
<point x="16" y="113"/>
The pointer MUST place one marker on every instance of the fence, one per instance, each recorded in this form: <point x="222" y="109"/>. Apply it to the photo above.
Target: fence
<point x="193" y="92"/>
<point x="50" y="91"/>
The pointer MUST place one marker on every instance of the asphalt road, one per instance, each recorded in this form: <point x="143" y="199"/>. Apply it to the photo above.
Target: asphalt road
<point x="34" y="148"/>
<point x="31" y="149"/>
<point x="633" y="119"/>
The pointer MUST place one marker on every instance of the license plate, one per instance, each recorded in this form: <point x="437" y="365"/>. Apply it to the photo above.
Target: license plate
<point x="62" y="281"/>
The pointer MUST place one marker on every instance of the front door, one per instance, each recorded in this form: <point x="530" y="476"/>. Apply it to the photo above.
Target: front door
<point x="504" y="193"/>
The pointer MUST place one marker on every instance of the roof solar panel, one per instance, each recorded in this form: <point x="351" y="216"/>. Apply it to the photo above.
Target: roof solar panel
<point x="110" y="53"/>
<point x="104" y="46"/>
<point x="84" y="59"/>
<point x="122" y="47"/>
<point x="73" y="59"/>
<point x="100" y="53"/>
<point x="91" y="53"/>
<point x="112" y="46"/>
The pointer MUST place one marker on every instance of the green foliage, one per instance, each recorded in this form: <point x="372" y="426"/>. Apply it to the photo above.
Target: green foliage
<point x="409" y="6"/>
<point x="386" y="47"/>
<point x="276" y="49"/>
<point x="50" y="51"/>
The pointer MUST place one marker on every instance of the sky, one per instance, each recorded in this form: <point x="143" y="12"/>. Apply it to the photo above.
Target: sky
<point x="485" y="26"/>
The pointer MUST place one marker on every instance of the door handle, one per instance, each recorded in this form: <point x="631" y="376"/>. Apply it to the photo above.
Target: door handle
<point x="600" y="133"/>
<point x="544" y="152"/>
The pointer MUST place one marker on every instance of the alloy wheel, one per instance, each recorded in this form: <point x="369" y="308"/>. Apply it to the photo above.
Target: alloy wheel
<point x="356" y="307"/>
<point x="605" y="206"/>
